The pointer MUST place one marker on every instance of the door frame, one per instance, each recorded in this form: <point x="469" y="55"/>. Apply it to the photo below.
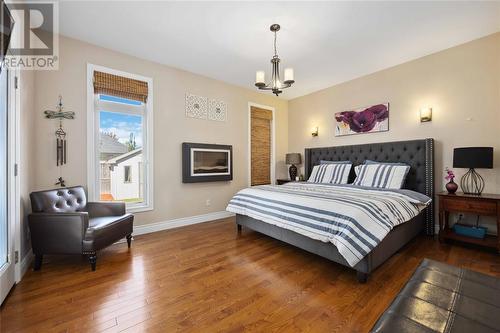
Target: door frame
<point x="273" y="141"/>
<point x="13" y="181"/>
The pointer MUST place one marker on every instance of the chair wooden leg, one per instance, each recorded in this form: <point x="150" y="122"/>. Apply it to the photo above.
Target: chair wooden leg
<point x="38" y="262"/>
<point x="362" y="277"/>
<point x="93" y="260"/>
<point x="129" y="240"/>
<point x="239" y="229"/>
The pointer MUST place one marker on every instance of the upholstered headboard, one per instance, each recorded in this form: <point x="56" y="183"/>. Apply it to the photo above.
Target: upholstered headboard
<point x="418" y="154"/>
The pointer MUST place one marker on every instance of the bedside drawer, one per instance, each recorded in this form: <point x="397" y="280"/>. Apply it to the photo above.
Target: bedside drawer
<point x="481" y="207"/>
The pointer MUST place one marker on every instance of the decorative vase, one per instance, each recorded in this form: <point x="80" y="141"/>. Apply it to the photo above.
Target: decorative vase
<point x="451" y="186"/>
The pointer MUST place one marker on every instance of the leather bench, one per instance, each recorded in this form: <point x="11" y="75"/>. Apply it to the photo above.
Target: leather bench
<point x="444" y="298"/>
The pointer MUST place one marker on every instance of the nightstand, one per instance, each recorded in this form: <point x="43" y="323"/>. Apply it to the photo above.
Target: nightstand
<point x="484" y="205"/>
<point x="282" y="181"/>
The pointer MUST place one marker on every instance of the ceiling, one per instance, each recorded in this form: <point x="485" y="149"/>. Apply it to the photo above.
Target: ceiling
<point x="325" y="42"/>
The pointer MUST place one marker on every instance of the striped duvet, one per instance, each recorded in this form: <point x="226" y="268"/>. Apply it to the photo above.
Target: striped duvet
<point x="354" y="219"/>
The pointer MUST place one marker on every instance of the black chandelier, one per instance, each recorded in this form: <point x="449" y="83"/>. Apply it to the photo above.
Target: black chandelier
<point x="275" y="85"/>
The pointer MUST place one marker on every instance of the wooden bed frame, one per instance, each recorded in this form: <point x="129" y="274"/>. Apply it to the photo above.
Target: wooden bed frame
<point x="418" y="154"/>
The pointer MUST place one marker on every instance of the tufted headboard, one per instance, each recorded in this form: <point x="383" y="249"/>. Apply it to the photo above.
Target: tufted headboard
<point x="418" y="154"/>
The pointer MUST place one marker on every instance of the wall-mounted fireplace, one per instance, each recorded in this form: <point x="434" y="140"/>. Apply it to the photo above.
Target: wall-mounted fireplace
<point x="203" y="162"/>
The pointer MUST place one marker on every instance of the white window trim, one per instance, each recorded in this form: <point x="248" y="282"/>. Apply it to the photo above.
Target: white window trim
<point x="93" y="137"/>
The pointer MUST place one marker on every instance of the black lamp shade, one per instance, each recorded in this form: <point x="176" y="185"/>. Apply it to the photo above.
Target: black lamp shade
<point x="473" y="157"/>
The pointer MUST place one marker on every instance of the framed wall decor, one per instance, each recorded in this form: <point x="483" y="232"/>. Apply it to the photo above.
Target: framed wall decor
<point x="362" y="120"/>
<point x="202" y="162"/>
<point x="196" y="106"/>
<point x="217" y="110"/>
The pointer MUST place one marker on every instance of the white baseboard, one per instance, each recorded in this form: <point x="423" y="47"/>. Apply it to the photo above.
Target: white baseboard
<point x="180" y="222"/>
<point x="26" y="263"/>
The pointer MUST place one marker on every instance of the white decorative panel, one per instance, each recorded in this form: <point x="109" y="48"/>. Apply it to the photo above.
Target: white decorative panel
<point x="217" y="110"/>
<point x="196" y="106"/>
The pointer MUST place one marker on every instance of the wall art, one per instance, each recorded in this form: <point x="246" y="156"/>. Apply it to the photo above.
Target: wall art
<point x="363" y="120"/>
<point x="217" y="110"/>
<point x="196" y="106"/>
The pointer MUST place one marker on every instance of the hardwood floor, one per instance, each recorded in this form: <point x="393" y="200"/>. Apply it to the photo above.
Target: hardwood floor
<point x="204" y="278"/>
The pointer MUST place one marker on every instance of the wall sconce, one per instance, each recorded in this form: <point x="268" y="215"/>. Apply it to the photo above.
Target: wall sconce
<point x="314" y="131"/>
<point x="425" y="115"/>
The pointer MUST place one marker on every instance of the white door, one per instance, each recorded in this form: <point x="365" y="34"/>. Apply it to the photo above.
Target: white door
<point x="7" y="276"/>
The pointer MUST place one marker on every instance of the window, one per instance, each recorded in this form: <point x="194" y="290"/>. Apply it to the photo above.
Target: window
<point x="120" y="138"/>
<point x="127" y="175"/>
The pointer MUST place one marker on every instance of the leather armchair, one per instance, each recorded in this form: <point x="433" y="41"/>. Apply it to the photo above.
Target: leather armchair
<point x="63" y="222"/>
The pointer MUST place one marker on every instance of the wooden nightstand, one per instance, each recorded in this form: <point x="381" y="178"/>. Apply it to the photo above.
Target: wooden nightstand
<point x="484" y="205"/>
<point x="282" y="181"/>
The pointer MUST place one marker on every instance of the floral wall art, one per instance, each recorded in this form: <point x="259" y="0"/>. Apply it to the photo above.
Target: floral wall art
<point x="363" y="120"/>
<point x="203" y="108"/>
<point x="217" y="110"/>
<point x="196" y="106"/>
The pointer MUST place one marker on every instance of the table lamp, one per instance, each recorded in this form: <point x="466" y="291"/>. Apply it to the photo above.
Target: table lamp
<point x="473" y="158"/>
<point x="293" y="158"/>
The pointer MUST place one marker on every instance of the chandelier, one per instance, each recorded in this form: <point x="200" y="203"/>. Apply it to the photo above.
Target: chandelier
<point x="275" y="84"/>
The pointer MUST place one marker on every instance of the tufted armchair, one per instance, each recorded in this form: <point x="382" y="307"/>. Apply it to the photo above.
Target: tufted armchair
<point x="63" y="222"/>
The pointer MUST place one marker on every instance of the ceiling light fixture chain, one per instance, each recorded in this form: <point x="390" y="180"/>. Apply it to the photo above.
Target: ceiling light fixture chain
<point x="275" y="85"/>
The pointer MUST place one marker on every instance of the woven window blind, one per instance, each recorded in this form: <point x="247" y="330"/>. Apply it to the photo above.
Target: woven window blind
<point x="261" y="146"/>
<point x="119" y="86"/>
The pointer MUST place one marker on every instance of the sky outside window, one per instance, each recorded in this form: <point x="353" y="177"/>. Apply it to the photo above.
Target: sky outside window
<point x="119" y="124"/>
<point x="122" y="125"/>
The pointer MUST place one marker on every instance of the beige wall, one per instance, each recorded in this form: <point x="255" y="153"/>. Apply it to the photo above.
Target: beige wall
<point x="461" y="84"/>
<point x="172" y="198"/>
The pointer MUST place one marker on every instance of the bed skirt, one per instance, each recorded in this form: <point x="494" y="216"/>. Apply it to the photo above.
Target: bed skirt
<point x="395" y="240"/>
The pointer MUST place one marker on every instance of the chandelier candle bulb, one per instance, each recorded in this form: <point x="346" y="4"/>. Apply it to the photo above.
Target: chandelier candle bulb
<point x="260" y="78"/>
<point x="289" y="75"/>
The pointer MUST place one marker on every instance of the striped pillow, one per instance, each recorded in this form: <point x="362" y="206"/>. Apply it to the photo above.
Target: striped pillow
<point x="331" y="173"/>
<point x="357" y="167"/>
<point x="381" y="175"/>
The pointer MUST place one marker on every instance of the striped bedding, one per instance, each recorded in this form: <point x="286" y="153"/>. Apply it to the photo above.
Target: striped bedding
<point x="333" y="173"/>
<point x="354" y="219"/>
<point x="382" y="175"/>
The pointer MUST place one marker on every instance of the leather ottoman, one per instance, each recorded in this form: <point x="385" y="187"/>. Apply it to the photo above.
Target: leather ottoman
<point x="444" y="298"/>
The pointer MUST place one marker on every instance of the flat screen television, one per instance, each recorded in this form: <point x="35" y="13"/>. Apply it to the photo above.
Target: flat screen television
<point x="6" y="27"/>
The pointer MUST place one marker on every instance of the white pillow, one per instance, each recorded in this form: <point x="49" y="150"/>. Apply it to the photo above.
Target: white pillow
<point x="331" y="173"/>
<point x="381" y="175"/>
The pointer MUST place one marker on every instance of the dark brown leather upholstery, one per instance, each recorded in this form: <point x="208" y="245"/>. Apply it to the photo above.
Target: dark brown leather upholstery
<point x="63" y="200"/>
<point x="63" y="222"/>
<point x="444" y="298"/>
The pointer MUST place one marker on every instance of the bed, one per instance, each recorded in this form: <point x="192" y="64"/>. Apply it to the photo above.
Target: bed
<point x="418" y="154"/>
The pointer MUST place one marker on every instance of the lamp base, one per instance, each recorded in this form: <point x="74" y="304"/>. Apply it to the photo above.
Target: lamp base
<point x="293" y="172"/>
<point x="472" y="183"/>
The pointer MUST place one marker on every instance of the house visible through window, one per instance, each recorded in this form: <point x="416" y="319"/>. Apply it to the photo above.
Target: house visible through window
<point x="127" y="175"/>
<point x="121" y="144"/>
